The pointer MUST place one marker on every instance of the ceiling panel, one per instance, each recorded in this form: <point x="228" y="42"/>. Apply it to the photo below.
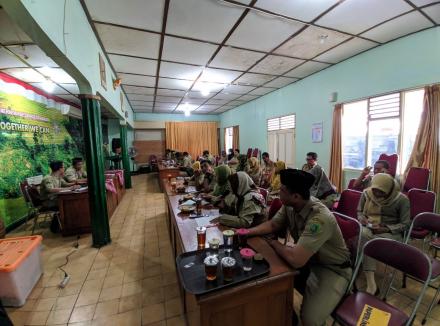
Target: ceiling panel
<point x="423" y="2"/>
<point x="239" y="89"/>
<point x="8" y="60"/>
<point x="174" y="83"/>
<point x="346" y="50"/>
<point x="27" y="75"/>
<point x="210" y="87"/>
<point x="217" y="101"/>
<point x="139" y="102"/>
<point x="127" y="41"/>
<point x="137" y="80"/>
<point x="170" y="92"/>
<point x="219" y="75"/>
<point x="261" y="91"/>
<point x="225" y="108"/>
<point x="145" y="14"/>
<point x="276" y="65"/>
<point x="201" y="19"/>
<point x="261" y="32"/>
<point x="33" y="55"/>
<point x="197" y="94"/>
<point x="194" y="101"/>
<point x="224" y="95"/>
<point x="179" y="71"/>
<point x="138" y="90"/>
<point x="73" y="88"/>
<point x="138" y="97"/>
<point x="143" y="110"/>
<point x="248" y="97"/>
<point x="71" y="98"/>
<point x="186" y="51"/>
<point x="433" y="12"/>
<point x="231" y="58"/>
<point x="57" y="75"/>
<point x="310" y="42"/>
<point x="395" y="28"/>
<point x="357" y="16"/>
<point x="305" y="10"/>
<point x="254" y="79"/>
<point x="56" y="91"/>
<point x="236" y="102"/>
<point x="10" y="32"/>
<point x="207" y="108"/>
<point x="280" y="82"/>
<point x="168" y="99"/>
<point x="133" y="65"/>
<point x="306" y="69"/>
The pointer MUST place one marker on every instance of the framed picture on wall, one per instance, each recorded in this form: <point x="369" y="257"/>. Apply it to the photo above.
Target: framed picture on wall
<point x="102" y="72"/>
<point x="317" y="132"/>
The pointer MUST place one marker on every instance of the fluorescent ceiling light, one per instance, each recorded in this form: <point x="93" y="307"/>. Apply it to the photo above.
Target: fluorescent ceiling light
<point x="48" y="85"/>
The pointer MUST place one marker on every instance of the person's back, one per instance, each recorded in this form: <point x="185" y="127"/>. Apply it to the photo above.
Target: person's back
<point x="322" y="189"/>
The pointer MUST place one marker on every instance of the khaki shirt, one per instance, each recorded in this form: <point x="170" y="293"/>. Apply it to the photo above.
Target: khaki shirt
<point x="51" y="182"/>
<point x="315" y="228"/>
<point x="72" y="175"/>
<point x="250" y="212"/>
<point x="187" y="161"/>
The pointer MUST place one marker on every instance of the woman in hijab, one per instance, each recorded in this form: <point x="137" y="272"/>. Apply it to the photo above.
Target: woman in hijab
<point x="223" y="158"/>
<point x="245" y="206"/>
<point x="198" y="176"/>
<point x="384" y="213"/>
<point x="254" y="170"/>
<point x="222" y="174"/>
<point x="275" y="184"/>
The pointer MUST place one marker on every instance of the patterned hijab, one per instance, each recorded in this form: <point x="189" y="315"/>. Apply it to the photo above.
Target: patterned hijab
<point x="276" y="180"/>
<point x="254" y="165"/>
<point x="196" y="166"/>
<point x="222" y="174"/>
<point x="373" y="205"/>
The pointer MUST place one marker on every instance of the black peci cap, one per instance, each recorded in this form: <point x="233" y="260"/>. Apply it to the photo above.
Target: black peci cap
<point x="297" y="181"/>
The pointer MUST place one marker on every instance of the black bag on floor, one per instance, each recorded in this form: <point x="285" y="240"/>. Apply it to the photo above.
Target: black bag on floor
<point x="4" y="319"/>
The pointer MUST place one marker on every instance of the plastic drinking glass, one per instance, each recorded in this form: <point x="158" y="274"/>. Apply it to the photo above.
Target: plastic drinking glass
<point x="247" y="256"/>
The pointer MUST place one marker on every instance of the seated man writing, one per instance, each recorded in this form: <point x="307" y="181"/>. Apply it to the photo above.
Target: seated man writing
<point x="76" y="172"/>
<point x="319" y="253"/>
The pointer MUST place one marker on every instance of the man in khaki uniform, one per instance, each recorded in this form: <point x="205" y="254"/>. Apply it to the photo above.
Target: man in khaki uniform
<point x="319" y="253"/>
<point x="53" y="184"/>
<point x="76" y="173"/>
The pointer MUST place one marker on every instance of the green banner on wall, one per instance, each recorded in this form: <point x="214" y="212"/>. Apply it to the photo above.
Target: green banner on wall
<point x="33" y="132"/>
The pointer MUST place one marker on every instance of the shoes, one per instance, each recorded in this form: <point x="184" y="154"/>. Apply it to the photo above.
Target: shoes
<point x="295" y="321"/>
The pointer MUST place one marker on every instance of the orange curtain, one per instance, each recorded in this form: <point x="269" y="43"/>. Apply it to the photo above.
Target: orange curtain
<point x="192" y="137"/>
<point x="236" y="137"/>
<point x="336" y="151"/>
<point x="426" y="151"/>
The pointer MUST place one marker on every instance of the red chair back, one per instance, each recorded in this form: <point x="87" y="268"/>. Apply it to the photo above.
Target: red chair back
<point x="352" y="187"/>
<point x="351" y="232"/>
<point x="249" y="152"/>
<point x="348" y="203"/>
<point x="421" y="201"/>
<point x="416" y="178"/>
<point x="427" y="221"/>
<point x="274" y="207"/>
<point x="255" y="152"/>
<point x="392" y="161"/>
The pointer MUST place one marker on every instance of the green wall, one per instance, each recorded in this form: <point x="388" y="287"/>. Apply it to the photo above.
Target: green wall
<point x="405" y="63"/>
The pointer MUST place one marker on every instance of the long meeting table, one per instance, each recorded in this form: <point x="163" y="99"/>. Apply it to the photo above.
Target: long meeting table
<point x="263" y="301"/>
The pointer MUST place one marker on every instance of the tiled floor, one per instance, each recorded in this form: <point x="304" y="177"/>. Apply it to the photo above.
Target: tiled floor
<point x="132" y="281"/>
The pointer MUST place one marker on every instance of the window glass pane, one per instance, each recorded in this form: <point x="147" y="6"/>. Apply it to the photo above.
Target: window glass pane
<point x="412" y="111"/>
<point x="228" y="138"/>
<point x="287" y="122"/>
<point x="383" y="137"/>
<point x="273" y="124"/>
<point x="354" y="131"/>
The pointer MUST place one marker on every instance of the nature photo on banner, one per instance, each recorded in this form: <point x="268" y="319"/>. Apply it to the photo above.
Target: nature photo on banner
<point x="33" y="132"/>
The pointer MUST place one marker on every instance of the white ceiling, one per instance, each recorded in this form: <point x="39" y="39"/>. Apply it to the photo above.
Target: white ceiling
<point x="255" y="47"/>
<point x="168" y="51"/>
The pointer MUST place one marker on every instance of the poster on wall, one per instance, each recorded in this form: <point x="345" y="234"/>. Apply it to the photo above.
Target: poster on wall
<point x="317" y="132"/>
<point x="33" y="132"/>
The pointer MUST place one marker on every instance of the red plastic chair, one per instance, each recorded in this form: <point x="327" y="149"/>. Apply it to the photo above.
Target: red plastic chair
<point x="249" y="152"/>
<point x="274" y="207"/>
<point x="255" y="152"/>
<point x="392" y="161"/>
<point x="396" y="255"/>
<point x="351" y="232"/>
<point x="420" y="201"/>
<point x="348" y="203"/>
<point x="416" y="178"/>
<point x="352" y="187"/>
<point x="430" y="222"/>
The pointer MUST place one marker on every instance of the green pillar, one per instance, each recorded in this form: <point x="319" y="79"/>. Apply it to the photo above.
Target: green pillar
<point x="91" y="113"/>
<point x="125" y="158"/>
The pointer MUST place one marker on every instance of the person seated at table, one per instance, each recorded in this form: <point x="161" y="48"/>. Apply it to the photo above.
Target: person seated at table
<point x="322" y="189"/>
<point x="245" y="206"/>
<point x="207" y="157"/>
<point x="76" y="173"/>
<point x="275" y="184"/>
<point x="221" y="188"/>
<point x="319" y="253"/>
<point x="197" y="176"/>
<point x="364" y="180"/>
<point x="186" y="160"/>
<point x="267" y="171"/>
<point x="53" y="184"/>
<point x="242" y="163"/>
<point x="230" y="154"/>
<point x="253" y="169"/>
<point x="208" y="183"/>
<point x="384" y="212"/>
<point x="168" y="154"/>
<point x="223" y="158"/>
<point x="311" y="161"/>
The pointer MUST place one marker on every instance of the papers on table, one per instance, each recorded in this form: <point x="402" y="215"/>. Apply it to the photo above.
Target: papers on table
<point x="188" y="203"/>
<point x="65" y="190"/>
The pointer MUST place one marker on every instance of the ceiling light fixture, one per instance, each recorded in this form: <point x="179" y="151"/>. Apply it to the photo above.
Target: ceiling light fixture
<point x="323" y="38"/>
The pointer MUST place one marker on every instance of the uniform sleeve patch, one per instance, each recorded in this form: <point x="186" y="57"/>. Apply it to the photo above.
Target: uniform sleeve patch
<point x="314" y="228"/>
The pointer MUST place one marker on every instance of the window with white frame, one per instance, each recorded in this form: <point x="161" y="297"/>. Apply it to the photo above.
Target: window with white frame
<point x="383" y="124"/>
<point x="229" y="133"/>
<point x="280" y="123"/>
